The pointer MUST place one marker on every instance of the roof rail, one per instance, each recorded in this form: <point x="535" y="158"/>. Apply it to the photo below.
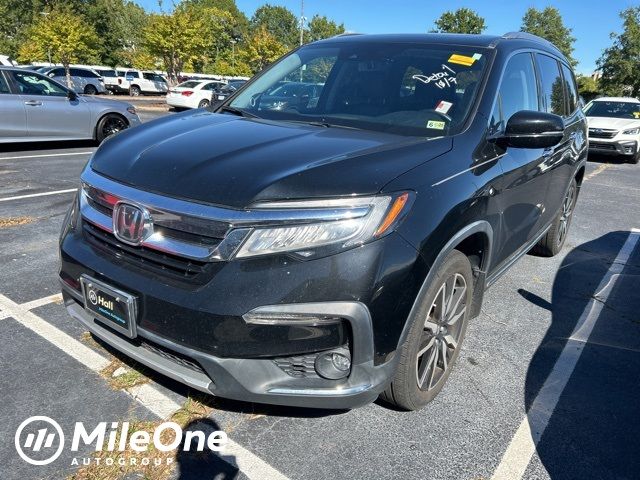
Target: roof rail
<point x="530" y="36"/>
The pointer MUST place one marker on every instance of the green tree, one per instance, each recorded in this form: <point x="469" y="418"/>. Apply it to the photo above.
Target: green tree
<point x="63" y="36"/>
<point x="548" y="24"/>
<point x="277" y="21"/>
<point x="119" y="25"/>
<point x="184" y="37"/>
<point x="620" y="62"/>
<point x="463" y="20"/>
<point x="321" y="27"/>
<point x="588" y="87"/>
<point x="261" y="50"/>
<point x="241" y="23"/>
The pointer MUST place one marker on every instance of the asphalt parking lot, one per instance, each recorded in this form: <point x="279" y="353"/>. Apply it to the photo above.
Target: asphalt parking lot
<point x="546" y="386"/>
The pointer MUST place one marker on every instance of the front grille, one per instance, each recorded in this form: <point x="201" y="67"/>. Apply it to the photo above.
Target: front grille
<point x="602" y="146"/>
<point x="143" y="257"/>
<point x="602" y="133"/>
<point x="299" y="366"/>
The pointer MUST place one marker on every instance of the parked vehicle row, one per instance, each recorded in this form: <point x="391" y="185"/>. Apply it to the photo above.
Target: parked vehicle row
<point x="34" y="107"/>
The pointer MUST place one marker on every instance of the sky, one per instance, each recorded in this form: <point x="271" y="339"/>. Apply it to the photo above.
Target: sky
<point x="591" y="21"/>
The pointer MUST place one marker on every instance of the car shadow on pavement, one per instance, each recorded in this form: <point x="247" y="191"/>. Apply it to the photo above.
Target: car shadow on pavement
<point x="593" y="431"/>
<point x="601" y="158"/>
<point x="194" y="465"/>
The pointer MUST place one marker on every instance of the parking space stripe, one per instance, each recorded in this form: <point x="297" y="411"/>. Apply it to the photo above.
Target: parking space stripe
<point x="154" y="400"/>
<point x="522" y="447"/>
<point x="42" y="194"/>
<point x="64" y="342"/>
<point x="56" y="297"/>
<point x="43" y="155"/>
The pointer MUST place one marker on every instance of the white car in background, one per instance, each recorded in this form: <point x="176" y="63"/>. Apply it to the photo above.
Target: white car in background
<point x="614" y="126"/>
<point x="193" y="93"/>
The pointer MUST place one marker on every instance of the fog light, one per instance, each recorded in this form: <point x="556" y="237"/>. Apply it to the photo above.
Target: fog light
<point x="334" y="364"/>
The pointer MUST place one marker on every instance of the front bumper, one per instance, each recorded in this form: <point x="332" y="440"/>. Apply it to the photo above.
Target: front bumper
<point x="254" y="380"/>
<point x="613" y="147"/>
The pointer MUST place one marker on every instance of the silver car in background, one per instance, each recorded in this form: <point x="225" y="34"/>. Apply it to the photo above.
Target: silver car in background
<point x="34" y="107"/>
<point x="83" y="80"/>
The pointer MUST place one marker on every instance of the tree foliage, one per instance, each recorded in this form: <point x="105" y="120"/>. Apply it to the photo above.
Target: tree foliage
<point x="620" y="63"/>
<point x="63" y="36"/>
<point x="261" y="50"/>
<point x="279" y="22"/>
<point x="548" y="24"/>
<point x="463" y="20"/>
<point x="588" y="87"/>
<point x="321" y="27"/>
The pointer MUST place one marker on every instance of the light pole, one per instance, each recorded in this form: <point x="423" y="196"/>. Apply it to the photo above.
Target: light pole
<point x="302" y="19"/>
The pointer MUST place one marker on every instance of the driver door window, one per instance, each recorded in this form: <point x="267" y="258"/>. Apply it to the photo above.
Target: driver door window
<point x="518" y="91"/>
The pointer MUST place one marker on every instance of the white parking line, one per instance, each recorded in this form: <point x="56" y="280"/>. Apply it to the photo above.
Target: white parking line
<point x="42" y="194"/>
<point x="523" y="444"/>
<point x="154" y="400"/>
<point x="64" y="342"/>
<point x="42" y="155"/>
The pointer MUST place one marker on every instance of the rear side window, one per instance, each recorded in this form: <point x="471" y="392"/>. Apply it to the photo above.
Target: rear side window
<point x="518" y="91"/>
<point x="107" y="73"/>
<point x="571" y="89"/>
<point x="552" y="85"/>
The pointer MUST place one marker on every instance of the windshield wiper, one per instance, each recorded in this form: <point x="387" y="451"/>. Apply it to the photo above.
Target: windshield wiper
<point x="238" y="111"/>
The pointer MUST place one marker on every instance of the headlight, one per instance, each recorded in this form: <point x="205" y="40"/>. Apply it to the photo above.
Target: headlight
<point x="355" y="221"/>
<point x="131" y="109"/>
<point x="631" y="131"/>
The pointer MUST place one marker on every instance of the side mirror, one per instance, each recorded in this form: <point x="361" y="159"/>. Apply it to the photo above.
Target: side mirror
<point x="72" y="96"/>
<point x="531" y="129"/>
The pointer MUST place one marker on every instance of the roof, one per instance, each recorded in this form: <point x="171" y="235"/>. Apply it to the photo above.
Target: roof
<point x="511" y="39"/>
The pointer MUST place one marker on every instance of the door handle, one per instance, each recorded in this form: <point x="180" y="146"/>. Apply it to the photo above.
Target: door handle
<point x="33" y="103"/>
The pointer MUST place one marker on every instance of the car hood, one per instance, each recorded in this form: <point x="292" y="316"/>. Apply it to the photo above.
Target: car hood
<point x="228" y="160"/>
<point x="612" y="123"/>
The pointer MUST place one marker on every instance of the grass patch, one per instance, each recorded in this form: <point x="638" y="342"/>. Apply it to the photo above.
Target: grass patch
<point x="131" y="378"/>
<point x="116" y="465"/>
<point x="15" y="221"/>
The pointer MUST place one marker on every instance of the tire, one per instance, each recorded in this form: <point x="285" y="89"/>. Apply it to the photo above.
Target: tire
<point x="90" y="90"/>
<point x="110" y="124"/>
<point x="422" y="368"/>
<point x="134" y="91"/>
<point x="203" y="103"/>
<point x="554" y="239"/>
<point x="634" y="159"/>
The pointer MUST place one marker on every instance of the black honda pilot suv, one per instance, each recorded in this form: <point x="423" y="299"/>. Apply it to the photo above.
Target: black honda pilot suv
<point x="325" y="235"/>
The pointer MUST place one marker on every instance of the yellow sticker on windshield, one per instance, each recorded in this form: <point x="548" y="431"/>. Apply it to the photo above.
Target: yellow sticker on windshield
<point x="464" y="59"/>
<point x="435" y="124"/>
<point x="636" y="114"/>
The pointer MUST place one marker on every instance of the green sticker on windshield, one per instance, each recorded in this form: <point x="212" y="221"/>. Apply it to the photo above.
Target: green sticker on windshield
<point x="436" y="125"/>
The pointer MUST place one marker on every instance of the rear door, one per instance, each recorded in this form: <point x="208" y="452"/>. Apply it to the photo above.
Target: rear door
<point x="49" y="112"/>
<point x="13" y="117"/>
<point x="522" y="197"/>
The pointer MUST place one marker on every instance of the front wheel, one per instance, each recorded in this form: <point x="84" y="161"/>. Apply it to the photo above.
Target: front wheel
<point x="109" y="125"/>
<point x="635" y="158"/>
<point x="437" y="328"/>
<point x="135" y="91"/>
<point x="554" y="239"/>
<point x="90" y="90"/>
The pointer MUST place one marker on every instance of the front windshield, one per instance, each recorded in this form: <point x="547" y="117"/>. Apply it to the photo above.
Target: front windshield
<point x="404" y="88"/>
<point x="613" y="109"/>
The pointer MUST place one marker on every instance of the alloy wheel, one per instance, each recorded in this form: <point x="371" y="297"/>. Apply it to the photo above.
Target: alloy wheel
<point x="565" y="215"/>
<point x="441" y="332"/>
<point x="113" y="125"/>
